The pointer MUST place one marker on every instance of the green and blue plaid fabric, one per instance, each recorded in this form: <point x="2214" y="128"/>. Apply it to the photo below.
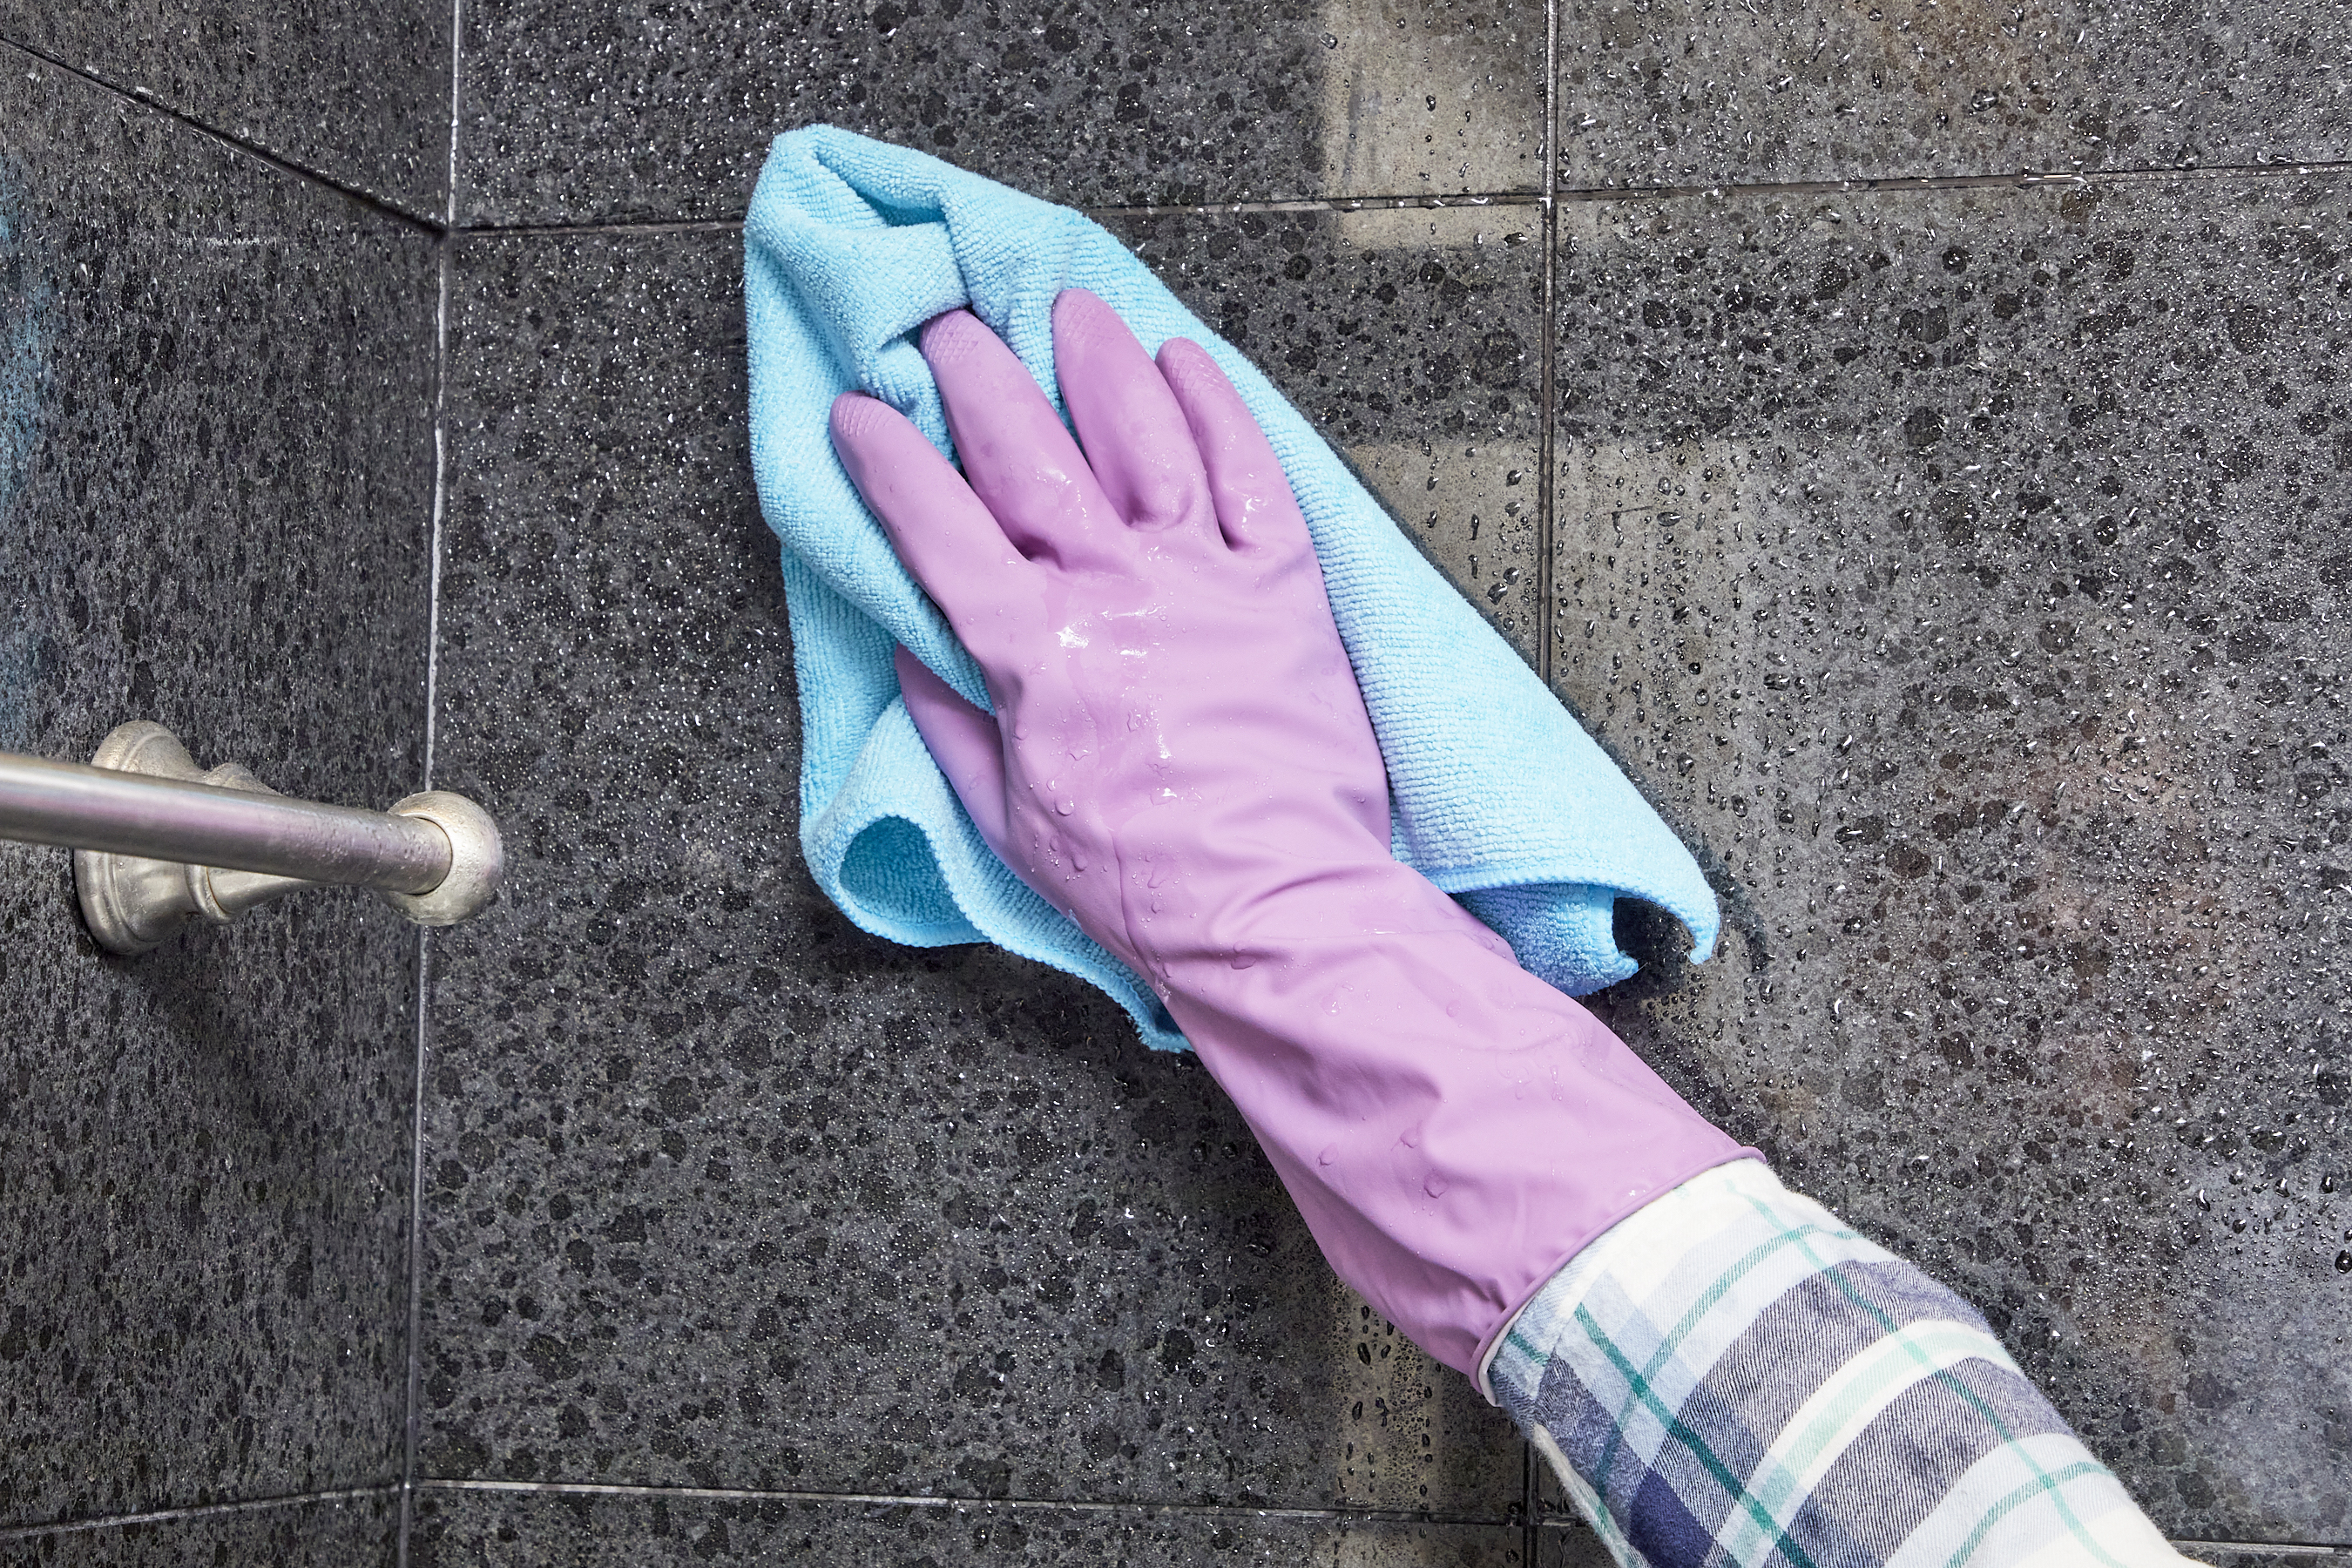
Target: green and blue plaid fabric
<point x="1731" y="1378"/>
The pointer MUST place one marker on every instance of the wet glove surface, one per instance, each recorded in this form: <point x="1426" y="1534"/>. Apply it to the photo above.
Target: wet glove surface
<point x="1181" y="760"/>
<point x="1185" y="730"/>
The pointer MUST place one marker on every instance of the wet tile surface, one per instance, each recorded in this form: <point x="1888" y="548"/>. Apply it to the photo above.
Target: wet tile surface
<point x="1415" y="339"/>
<point x="577" y="111"/>
<point x="723" y="1192"/>
<point x="461" y="1529"/>
<point x="215" y="460"/>
<point x="1961" y="573"/>
<point x="1723" y="91"/>
<point x="360" y="93"/>
<point x="361" y="1532"/>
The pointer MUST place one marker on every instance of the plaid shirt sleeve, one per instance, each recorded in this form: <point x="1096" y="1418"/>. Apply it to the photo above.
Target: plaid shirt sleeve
<point x="1731" y="1378"/>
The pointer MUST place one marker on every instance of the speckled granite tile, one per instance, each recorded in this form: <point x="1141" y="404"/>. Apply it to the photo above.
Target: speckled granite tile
<point x="215" y="454"/>
<point x="1732" y="91"/>
<point x="360" y="93"/>
<point x="344" y="1533"/>
<point x="724" y="1193"/>
<point x="1961" y="573"/>
<point x="1414" y="339"/>
<point x="576" y="111"/>
<point x="517" y="1530"/>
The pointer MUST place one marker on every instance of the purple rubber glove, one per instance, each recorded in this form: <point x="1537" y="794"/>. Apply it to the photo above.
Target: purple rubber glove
<point x="1181" y="761"/>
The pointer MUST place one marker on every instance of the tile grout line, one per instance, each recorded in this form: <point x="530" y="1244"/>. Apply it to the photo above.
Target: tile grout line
<point x="195" y="1511"/>
<point x="1541" y="1523"/>
<point x="411" y="1416"/>
<point x="1531" y="1525"/>
<point x="902" y="1499"/>
<point x="1547" y="485"/>
<point x="619" y="226"/>
<point x="146" y="100"/>
<point x="2017" y="178"/>
<point x="441" y="411"/>
<point x="415" y="1306"/>
<point x="1547" y="197"/>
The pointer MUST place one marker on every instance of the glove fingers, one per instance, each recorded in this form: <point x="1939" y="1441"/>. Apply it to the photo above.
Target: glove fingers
<point x="1255" y="508"/>
<point x="939" y="529"/>
<point x="962" y="740"/>
<point x="1020" y="459"/>
<point x="1136" y="437"/>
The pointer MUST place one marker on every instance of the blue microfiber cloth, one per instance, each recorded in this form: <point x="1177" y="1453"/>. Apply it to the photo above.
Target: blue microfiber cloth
<point x="1500" y="797"/>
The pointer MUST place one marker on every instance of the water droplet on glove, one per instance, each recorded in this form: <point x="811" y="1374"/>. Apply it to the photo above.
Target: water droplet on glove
<point x="1331" y="1152"/>
<point x="1435" y="1186"/>
<point x="1065" y="806"/>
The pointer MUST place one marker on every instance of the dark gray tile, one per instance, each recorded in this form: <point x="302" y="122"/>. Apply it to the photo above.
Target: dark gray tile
<point x="575" y="111"/>
<point x="723" y="1192"/>
<point x="1724" y="91"/>
<point x="2240" y="1554"/>
<point x="342" y="1533"/>
<point x="1961" y="575"/>
<point x="512" y="1529"/>
<point x="1414" y="339"/>
<point x="360" y="93"/>
<point x="216" y="471"/>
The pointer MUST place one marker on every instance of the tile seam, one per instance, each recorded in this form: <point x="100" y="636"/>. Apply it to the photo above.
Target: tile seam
<point x="194" y="1511"/>
<point x="1482" y="200"/>
<point x="1548" y="335"/>
<point x="623" y="225"/>
<point x="411" y="1413"/>
<point x="2012" y="179"/>
<point x="144" y="98"/>
<point x="896" y="1499"/>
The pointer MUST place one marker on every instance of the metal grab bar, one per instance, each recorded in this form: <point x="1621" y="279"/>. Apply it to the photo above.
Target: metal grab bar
<point x="160" y="841"/>
<point x="125" y="814"/>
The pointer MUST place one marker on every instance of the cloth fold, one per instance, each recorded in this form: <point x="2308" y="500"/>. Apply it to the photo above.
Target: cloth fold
<point x="1501" y="799"/>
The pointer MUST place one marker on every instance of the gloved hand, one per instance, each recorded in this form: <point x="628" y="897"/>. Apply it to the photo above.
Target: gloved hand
<point x="1180" y="761"/>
